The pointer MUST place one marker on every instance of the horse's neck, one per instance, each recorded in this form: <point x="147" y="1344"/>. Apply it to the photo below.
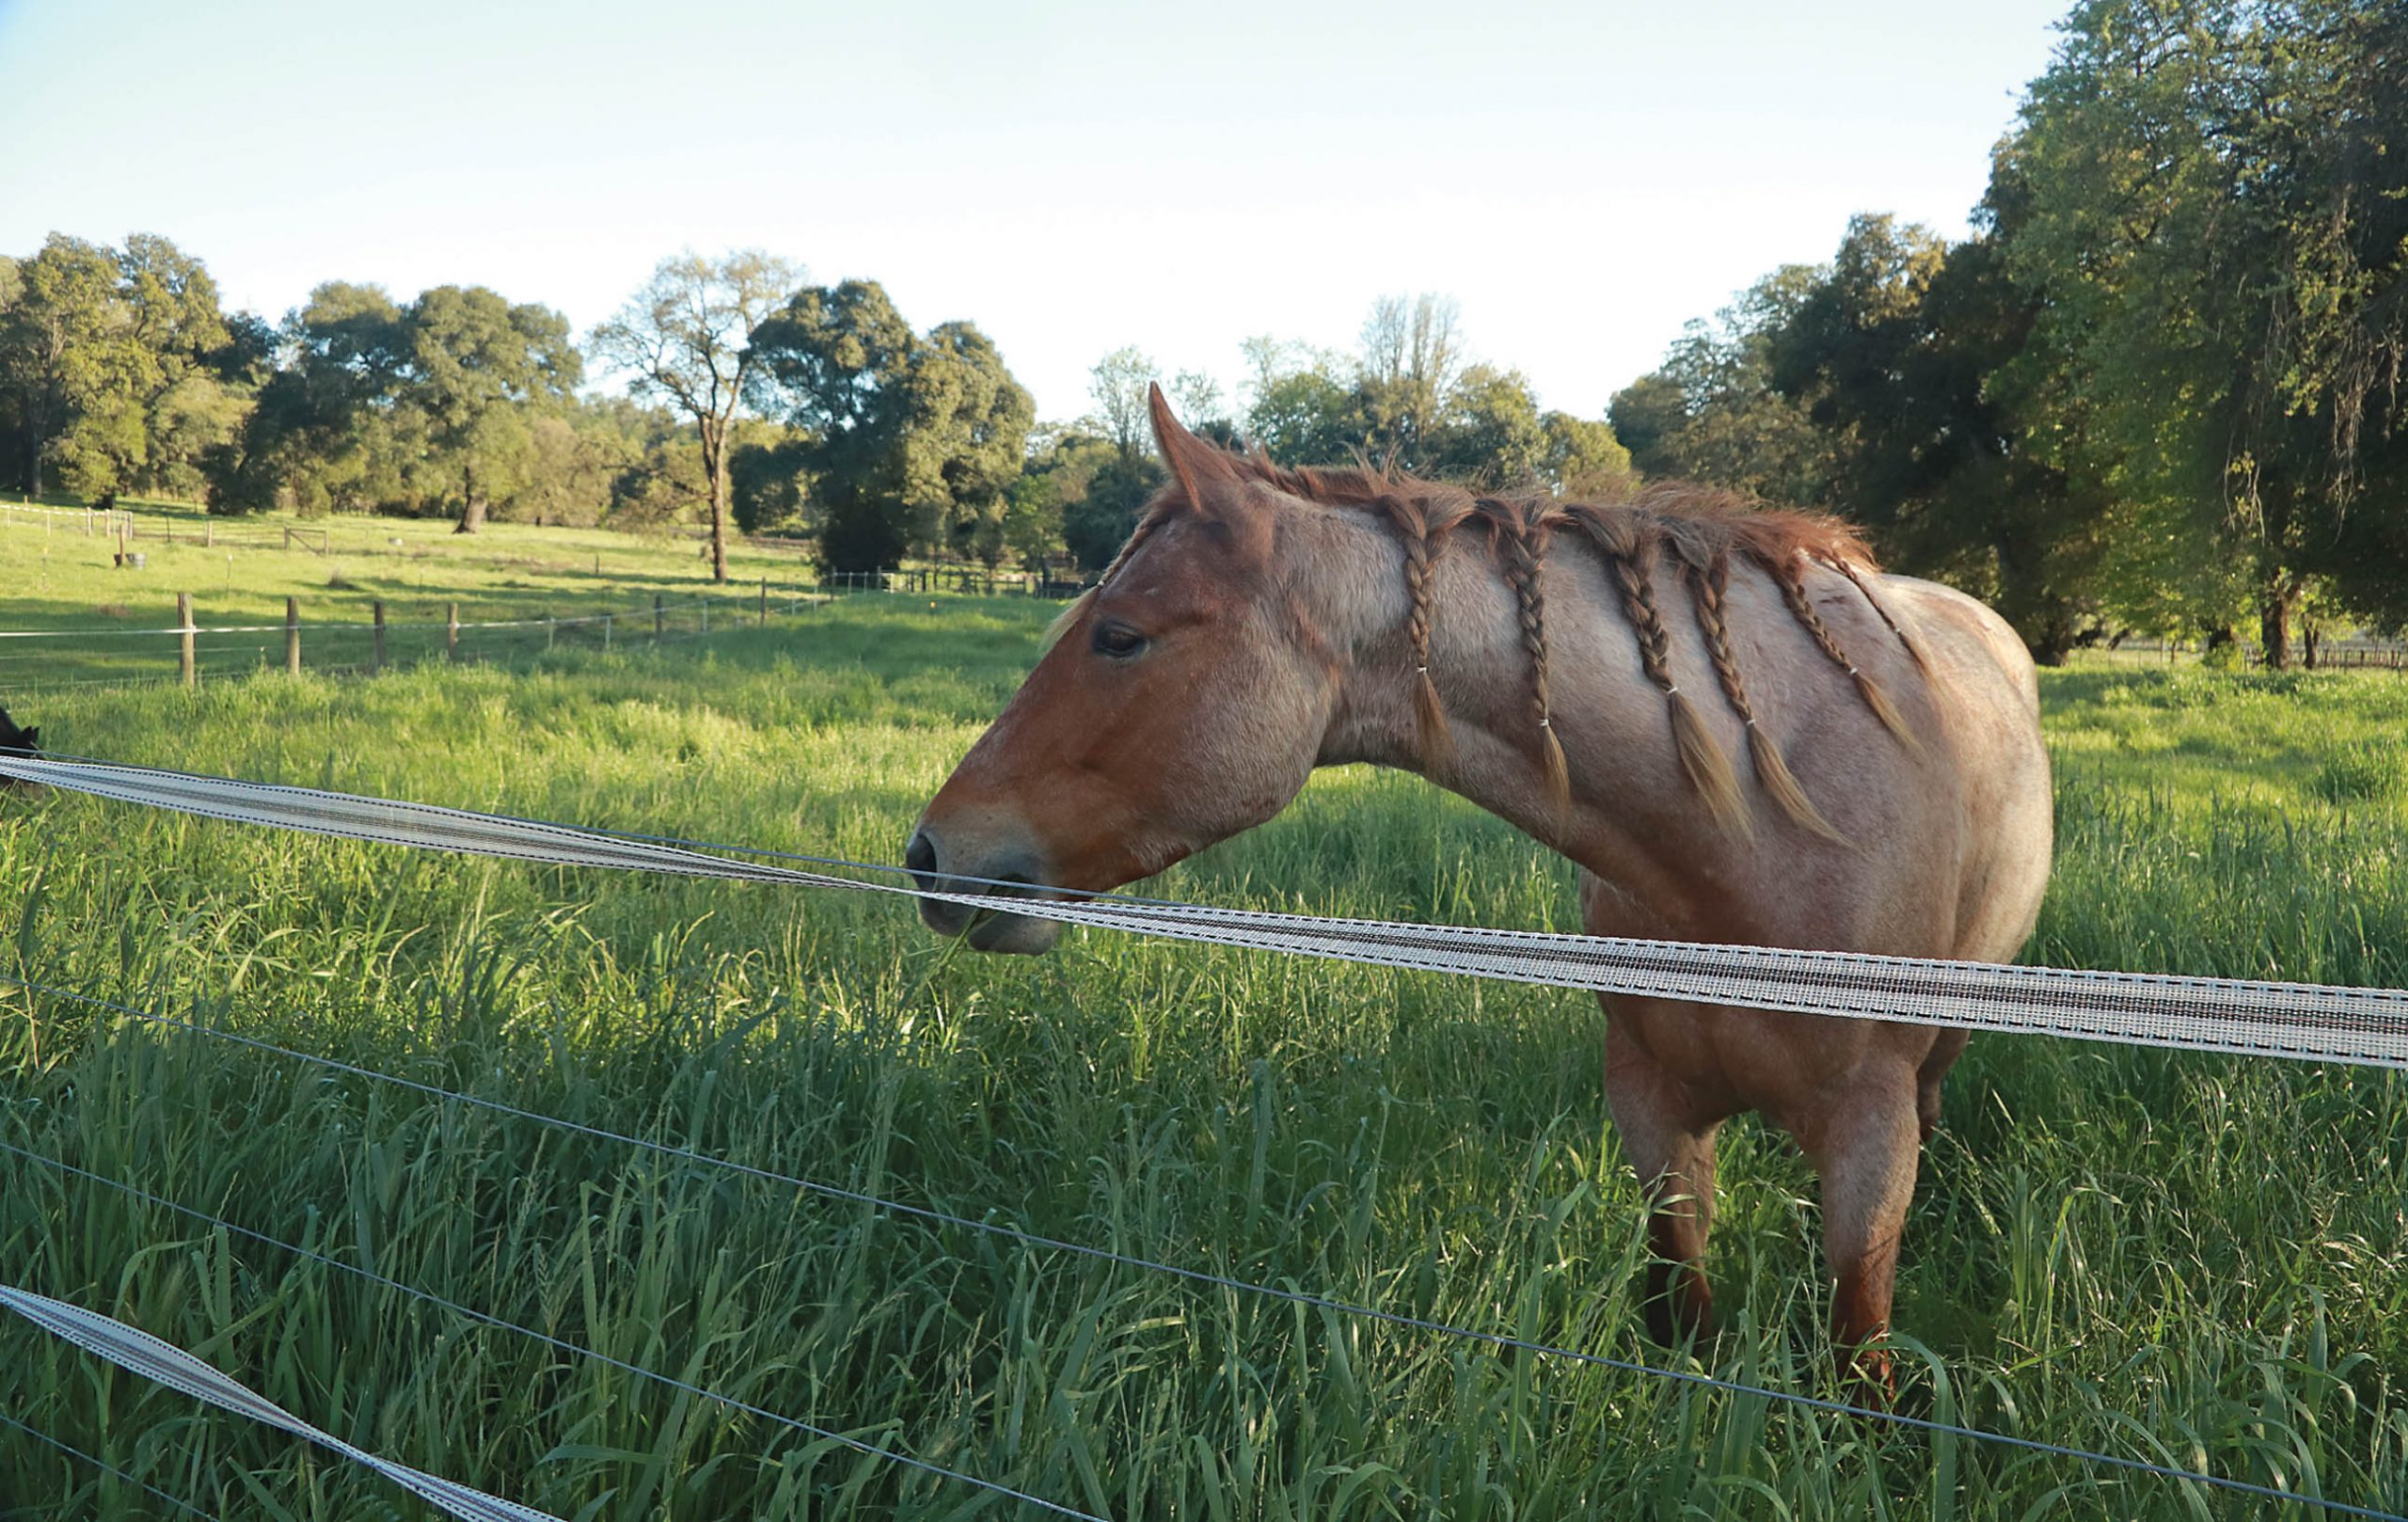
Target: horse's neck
<point x="1634" y="822"/>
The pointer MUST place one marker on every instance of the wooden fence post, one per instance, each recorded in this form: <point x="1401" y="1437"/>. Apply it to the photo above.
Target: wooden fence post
<point x="450" y="631"/>
<point x="209" y="535"/>
<point x="292" y="636"/>
<point x="656" y="616"/>
<point x="287" y="536"/>
<point x="551" y="631"/>
<point x="706" y="617"/>
<point x="190" y="665"/>
<point x="764" y="602"/>
<point x="378" y="608"/>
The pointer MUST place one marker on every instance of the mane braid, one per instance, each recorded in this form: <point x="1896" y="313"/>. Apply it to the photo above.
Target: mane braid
<point x="1632" y="555"/>
<point x="1434" y="741"/>
<point x="1846" y="567"/>
<point x="1707" y="585"/>
<point x="1523" y="533"/>
<point x="1789" y="575"/>
<point x="1705" y="525"/>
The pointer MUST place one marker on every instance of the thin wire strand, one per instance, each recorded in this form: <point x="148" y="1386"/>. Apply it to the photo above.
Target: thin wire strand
<point x="104" y="1466"/>
<point x="1297" y="1297"/>
<point x="557" y="1345"/>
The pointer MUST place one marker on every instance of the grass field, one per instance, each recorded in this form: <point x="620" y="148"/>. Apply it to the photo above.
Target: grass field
<point x="56" y="576"/>
<point x="2193" y="1260"/>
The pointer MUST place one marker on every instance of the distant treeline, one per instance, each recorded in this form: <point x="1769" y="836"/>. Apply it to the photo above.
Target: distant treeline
<point x="753" y="396"/>
<point x="2158" y="391"/>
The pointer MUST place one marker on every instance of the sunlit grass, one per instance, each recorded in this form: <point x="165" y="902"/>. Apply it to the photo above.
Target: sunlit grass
<point x="54" y="576"/>
<point x="2196" y="1260"/>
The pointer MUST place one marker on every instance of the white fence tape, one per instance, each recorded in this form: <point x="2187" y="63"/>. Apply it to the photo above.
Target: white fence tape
<point x="2307" y="1021"/>
<point x="142" y="1354"/>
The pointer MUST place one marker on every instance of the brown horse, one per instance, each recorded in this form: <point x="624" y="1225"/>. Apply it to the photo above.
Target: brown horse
<point x="1526" y="654"/>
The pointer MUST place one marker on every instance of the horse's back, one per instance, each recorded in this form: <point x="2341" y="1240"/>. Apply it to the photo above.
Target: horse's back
<point x="1987" y="695"/>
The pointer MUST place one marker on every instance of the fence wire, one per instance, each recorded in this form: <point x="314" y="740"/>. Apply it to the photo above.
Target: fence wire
<point x="1495" y="1341"/>
<point x="104" y="1466"/>
<point x="556" y="1344"/>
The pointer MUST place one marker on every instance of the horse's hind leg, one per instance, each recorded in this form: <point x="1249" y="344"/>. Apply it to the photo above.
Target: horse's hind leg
<point x="1945" y="1050"/>
<point x="1867" y="1149"/>
<point x="1671" y="1148"/>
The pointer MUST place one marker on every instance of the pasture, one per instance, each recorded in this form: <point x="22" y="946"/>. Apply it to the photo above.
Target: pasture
<point x="2200" y="1262"/>
<point x="240" y="571"/>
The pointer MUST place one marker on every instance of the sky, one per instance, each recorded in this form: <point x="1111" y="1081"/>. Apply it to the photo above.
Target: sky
<point x="1581" y="179"/>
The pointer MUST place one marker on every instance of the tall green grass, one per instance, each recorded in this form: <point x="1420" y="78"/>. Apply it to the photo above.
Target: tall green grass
<point x="2193" y="1260"/>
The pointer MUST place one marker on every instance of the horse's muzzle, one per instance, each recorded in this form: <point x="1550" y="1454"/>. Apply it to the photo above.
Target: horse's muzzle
<point x="1006" y="875"/>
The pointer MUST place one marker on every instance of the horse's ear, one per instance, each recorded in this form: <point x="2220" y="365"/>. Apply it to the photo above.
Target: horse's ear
<point x="1202" y="471"/>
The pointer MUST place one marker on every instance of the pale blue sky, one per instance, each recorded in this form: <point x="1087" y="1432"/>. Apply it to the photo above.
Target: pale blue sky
<point x="1071" y="176"/>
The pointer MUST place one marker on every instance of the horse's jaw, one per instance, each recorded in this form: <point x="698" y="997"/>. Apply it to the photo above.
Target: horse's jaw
<point x="1023" y="935"/>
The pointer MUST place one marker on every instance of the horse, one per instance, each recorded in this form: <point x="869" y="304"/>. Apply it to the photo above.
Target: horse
<point x="1527" y="653"/>
<point x="16" y="741"/>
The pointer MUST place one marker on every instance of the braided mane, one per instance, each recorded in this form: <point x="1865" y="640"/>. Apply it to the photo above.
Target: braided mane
<point x="1700" y="528"/>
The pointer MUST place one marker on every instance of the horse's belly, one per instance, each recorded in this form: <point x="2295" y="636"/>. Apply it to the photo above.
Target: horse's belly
<point x="1763" y="1058"/>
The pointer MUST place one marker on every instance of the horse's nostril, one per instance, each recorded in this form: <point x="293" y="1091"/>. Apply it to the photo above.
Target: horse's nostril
<point x="920" y="857"/>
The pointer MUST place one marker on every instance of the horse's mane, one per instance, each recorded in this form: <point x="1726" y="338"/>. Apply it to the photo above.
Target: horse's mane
<point x="1701" y="529"/>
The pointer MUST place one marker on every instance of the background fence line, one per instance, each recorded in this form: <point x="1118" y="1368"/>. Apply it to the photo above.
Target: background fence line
<point x="378" y="642"/>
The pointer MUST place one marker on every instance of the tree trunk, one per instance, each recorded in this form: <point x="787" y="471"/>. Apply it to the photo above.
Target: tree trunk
<point x="472" y="505"/>
<point x="715" y="465"/>
<point x="2310" y="637"/>
<point x="2274" y="622"/>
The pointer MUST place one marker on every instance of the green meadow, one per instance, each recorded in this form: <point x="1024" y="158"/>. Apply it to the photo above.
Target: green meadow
<point x="62" y="580"/>
<point x="2198" y="1261"/>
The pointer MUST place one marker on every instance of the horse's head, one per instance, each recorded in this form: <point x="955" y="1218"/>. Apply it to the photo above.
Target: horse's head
<point x="1183" y="701"/>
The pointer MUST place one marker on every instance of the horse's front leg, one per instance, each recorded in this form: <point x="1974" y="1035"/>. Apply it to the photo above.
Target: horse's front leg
<point x="1669" y="1139"/>
<point x="1867" y="1146"/>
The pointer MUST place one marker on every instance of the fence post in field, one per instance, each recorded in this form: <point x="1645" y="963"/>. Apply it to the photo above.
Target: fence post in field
<point x="706" y="617"/>
<point x="190" y="666"/>
<point x="551" y="631"/>
<point x="606" y="634"/>
<point x="656" y="617"/>
<point x="764" y="602"/>
<point x="450" y="631"/>
<point x="292" y="636"/>
<point x="209" y="535"/>
<point x="287" y="536"/>
<point x="378" y="608"/>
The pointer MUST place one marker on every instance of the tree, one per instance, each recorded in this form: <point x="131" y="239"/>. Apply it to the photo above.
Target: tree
<point x="686" y="338"/>
<point x="1583" y="460"/>
<point x="2214" y="216"/>
<point x="330" y="421"/>
<point x="1711" y="412"/>
<point x="905" y="439"/>
<point x="478" y="368"/>
<point x="1903" y="354"/>
<point x="969" y="435"/>
<point x="76" y="368"/>
<point x="1305" y="416"/>
<point x="1412" y="355"/>
<point x="117" y="369"/>
<point x="1487" y="432"/>
<point x="1117" y="383"/>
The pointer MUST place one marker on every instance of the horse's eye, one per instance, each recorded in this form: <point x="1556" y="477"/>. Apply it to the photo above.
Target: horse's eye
<point x="1117" y="642"/>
